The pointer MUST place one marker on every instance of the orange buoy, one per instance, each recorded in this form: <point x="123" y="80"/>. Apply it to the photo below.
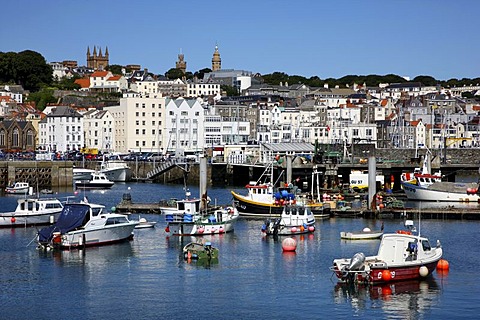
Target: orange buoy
<point x="443" y="265"/>
<point x="386" y="275"/>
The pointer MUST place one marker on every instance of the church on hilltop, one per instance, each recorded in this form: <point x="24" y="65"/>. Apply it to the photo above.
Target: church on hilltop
<point x="97" y="61"/>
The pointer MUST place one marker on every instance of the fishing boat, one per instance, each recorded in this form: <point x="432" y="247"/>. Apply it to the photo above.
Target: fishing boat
<point x="294" y="220"/>
<point x="199" y="251"/>
<point x="32" y="212"/>
<point x="401" y="256"/>
<point x="365" y="234"/>
<point x="442" y="191"/>
<point x="116" y="170"/>
<point x="262" y="199"/>
<point x="83" y="225"/>
<point x="97" y="181"/>
<point x="18" y="188"/>
<point x="189" y="219"/>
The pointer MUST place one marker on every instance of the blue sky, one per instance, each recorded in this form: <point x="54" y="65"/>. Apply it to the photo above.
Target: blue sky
<point x="329" y="39"/>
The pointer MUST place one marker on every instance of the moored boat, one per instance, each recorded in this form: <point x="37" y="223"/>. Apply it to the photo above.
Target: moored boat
<point x="365" y="234"/>
<point x="82" y="173"/>
<point x="97" y="181"/>
<point x="189" y="219"/>
<point x="83" y="225"/>
<point x="400" y="257"/>
<point x="18" y="188"/>
<point x="442" y="191"/>
<point x="200" y="251"/>
<point x="116" y="170"/>
<point x="32" y="212"/>
<point x="294" y="220"/>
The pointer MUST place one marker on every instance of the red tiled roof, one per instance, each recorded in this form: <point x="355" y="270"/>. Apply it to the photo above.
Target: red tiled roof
<point x="114" y="78"/>
<point x="99" y="74"/>
<point x="84" y="82"/>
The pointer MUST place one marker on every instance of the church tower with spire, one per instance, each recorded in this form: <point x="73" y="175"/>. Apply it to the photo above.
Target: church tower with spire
<point x="97" y="61"/>
<point x="216" y="60"/>
<point x="181" y="63"/>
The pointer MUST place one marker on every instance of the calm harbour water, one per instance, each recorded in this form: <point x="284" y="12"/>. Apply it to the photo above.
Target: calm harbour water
<point x="148" y="279"/>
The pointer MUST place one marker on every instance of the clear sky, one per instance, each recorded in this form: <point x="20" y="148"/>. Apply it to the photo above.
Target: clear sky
<point x="329" y="39"/>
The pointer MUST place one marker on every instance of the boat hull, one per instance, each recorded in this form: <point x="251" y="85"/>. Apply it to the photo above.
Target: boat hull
<point x="118" y="174"/>
<point x="246" y="207"/>
<point x="97" y="237"/>
<point x="446" y="191"/>
<point x="198" y="228"/>
<point x="9" y="220"/>
<point x="361" y="235"/>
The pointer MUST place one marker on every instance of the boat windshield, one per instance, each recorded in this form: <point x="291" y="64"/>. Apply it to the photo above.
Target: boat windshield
<point x="426" y="245"/>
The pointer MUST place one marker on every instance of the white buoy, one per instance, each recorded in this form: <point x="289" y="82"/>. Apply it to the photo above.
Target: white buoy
<point x="423" y="271"/>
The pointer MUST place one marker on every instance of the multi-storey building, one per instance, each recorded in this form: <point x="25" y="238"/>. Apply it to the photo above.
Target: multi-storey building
<point x="139" y="124"/>
<point x="61" y="130"/>
<point x="184" y="126"/>
<point x="99" y="128"/>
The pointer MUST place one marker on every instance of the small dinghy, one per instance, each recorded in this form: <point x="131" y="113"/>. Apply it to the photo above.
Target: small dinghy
<point x="200" y="251"/>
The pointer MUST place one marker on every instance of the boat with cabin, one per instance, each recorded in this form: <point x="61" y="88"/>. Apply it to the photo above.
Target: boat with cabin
<point x="190" y="219"/>
<point x="116" y="169"/>
<point x="97" y="181"/>
<point x="18" y="188"/>
<point x="32" y="212"/>
<point x="84" y="225"/>
<point x="295" y="219"/>
<point x="401" y="256"/>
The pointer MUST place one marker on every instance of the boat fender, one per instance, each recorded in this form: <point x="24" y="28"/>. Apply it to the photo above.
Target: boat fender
<point x="12" y="220"/>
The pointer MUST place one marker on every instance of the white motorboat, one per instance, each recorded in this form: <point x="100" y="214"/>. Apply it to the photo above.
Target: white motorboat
<point x="98" y="181"/>
<point x="116" y="170"/>
<point x="18" y="188"/>
<point x="188" y="219"/>
<point x="32" y="212"/>
<point x="82" y="173"/>
<point x="83" y="225"/>
<point x="401" y="256"/>
<point x="365" y="234"/>
<point x="143" y="224"/>
<point x="295" y="219"/>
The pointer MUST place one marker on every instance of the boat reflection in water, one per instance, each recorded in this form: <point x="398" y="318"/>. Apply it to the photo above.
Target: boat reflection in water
<point x="94" y="256"/>
<point x="403" y="299"/>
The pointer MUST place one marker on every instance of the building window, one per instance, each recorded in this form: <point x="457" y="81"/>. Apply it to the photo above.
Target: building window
<point x="15" y="138"/>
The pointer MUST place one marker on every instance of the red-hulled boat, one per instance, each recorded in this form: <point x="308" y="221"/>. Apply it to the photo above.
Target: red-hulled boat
<point x="400" y="257"/>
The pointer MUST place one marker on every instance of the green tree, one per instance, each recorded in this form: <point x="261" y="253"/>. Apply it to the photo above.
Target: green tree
<point x="116" y="69"/>
<point x="42" y="98"/>
<point x="27" y="68"/>
<point x="425" y="80"/>
<point x="230" y="91"/>
<point x="200" y="73"/>
<point x="67" y="83"/>
<point x="174" y="73"/>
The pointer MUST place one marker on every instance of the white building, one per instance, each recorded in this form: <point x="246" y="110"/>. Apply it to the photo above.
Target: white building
<point x="99" y="128"/>
<point x="199" y="89"/>
<point x="139" y="124"/>
<point x="184" y="126"/>
<point x="61" y="130"/>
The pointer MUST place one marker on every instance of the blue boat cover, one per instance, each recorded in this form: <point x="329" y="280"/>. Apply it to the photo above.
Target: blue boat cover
<point x="73" y="216"/>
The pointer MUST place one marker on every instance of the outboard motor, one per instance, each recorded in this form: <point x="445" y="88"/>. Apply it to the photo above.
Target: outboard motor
<point x="357" y="261"/>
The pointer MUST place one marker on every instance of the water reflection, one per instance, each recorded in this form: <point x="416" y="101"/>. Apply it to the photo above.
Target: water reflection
<point x="403" y="299"/>
<point x="95" y="256"/>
